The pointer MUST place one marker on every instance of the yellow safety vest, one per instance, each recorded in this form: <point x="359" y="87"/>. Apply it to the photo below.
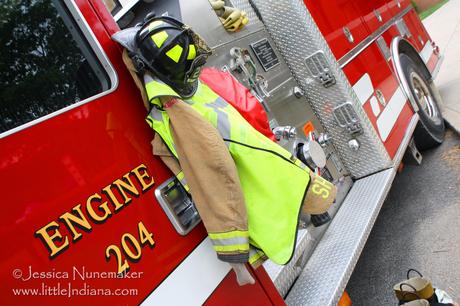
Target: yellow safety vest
<point x="274" y="182"/>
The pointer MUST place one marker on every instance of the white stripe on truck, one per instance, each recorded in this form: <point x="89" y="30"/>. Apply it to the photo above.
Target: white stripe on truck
<point x="193" y="281"/>
<point x="390" y="114"/>
<point x="364" y="88"/>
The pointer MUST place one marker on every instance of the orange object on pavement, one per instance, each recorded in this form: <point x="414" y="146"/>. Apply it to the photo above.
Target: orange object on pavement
<point x="344" y="300"/>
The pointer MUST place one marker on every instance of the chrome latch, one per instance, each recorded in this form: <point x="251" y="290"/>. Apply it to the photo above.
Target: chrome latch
<point x="285" y="132"/>
<point x="177" y="205"/>
<point x="319" y="69"/>
<point x="242" y="62"/>
<point x="347" y="118"/>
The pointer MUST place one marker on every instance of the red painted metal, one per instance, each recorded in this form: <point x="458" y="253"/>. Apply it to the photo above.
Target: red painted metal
<point x="332" y="17"/>
<point x="49" y="168"/>
<point x="372" y="62"/>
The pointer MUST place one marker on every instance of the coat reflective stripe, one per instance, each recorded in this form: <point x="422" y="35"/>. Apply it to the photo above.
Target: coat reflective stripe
<point x="228" y="235"/>
<point x="181" y="177"/>
<point x="223" y="123"/>
<point x="234" y="241"/>
<point x="232" y="248"/>
<point x="230" y="241"/>
<point x="181" y="286"/>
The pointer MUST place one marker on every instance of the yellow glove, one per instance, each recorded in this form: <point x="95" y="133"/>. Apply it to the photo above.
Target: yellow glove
<point x="231" y="16"/>
<point x="217" y="4"/>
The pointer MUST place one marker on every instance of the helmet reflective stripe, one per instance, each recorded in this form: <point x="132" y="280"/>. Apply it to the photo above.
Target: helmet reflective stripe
<point x="154" y="24"/>
<point x="191" y="52"/>
<point x="159" y="38"/>
<point x="174" y="53"/>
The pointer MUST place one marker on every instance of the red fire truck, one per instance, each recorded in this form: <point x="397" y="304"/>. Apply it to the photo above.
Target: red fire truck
<point x="92" y="217"/>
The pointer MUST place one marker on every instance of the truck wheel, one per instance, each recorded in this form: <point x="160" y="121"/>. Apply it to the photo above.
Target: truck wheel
<point x="430" y="130"/>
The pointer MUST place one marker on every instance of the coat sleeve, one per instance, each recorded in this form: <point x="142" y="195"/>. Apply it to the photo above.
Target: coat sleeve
<point x="213" y="180"/>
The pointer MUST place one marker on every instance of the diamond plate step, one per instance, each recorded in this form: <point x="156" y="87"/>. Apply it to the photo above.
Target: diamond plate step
<point x="328" y="270"/>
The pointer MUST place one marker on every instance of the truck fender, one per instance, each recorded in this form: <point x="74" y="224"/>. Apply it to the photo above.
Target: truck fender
<point x="401" y="45"/>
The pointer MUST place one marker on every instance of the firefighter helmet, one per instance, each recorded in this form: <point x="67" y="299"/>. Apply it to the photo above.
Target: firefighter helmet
<point x="168" y="49"/>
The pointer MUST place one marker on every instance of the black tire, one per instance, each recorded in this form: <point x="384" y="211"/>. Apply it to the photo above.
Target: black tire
<point x="430" y="131"/>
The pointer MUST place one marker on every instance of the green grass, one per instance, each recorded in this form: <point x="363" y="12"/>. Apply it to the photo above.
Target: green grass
<point x="432" y="9"/>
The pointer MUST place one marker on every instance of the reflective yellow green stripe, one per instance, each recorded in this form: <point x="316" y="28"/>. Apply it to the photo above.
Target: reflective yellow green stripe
<point x="299" y="164"/>
<point x="191" y="52"/>
<point x="159" y="38"/>
<point x="181" y="177"/>
<point x="155" y="89"/>
<point x="174" y="53"/>
<point x="228" y="235"/>
<point x="255" y="257"/>
<point x="232" y="248"/>
<point x="155" y="24"/>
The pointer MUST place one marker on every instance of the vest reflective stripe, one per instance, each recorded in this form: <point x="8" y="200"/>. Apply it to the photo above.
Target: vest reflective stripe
<point x="268" y="197"/>
<point x="223" y="123"/>
<point x="255" y="255"/>
<point x="159" y="121"/>
<point x="153" y="86"/>
<point x="181" y="178"/>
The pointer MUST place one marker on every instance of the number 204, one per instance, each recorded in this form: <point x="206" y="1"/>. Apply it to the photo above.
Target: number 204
<point x="131" y="247"/>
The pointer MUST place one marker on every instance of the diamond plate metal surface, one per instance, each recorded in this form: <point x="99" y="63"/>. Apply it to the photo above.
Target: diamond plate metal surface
<point x="244" y="5"/>
<point x="284" y="276"/>
<point x="297" y="37"/>
<point x="328" y="270"/>
<point x="307" y="238"/>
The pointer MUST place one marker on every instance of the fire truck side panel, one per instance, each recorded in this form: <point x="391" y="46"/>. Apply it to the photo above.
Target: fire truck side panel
<point x="381" y="97"/>
<point x="421" y="40"/>
<point x="333" y="19"/>
<point x="396" y="6"/>
<point x="78" y="159"/>
<point x="374" y="13"/>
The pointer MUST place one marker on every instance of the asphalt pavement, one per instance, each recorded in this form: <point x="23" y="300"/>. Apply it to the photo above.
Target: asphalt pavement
<point x="444" y="29"/>
<point x="418" y="227"/>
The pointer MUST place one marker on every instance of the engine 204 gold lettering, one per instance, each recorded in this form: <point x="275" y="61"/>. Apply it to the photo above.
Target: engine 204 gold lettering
<point x="97" y="208"/>
<point x="131" y="247"/>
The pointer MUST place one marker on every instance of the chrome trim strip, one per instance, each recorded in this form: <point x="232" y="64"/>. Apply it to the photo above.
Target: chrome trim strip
<point x="347" y="58"/>
<point x="406" y="140"/>
<point x="400" y="73"/>
<point x="436" y="69"/>
<point x="125" y="9"/>
<point x="101" y="56"/>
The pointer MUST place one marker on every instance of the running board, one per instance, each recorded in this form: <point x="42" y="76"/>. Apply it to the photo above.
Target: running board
<point x="329" y="268"/>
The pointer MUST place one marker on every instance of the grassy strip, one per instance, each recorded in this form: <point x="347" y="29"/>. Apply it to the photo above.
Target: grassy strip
<point x="432" y="9"/>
